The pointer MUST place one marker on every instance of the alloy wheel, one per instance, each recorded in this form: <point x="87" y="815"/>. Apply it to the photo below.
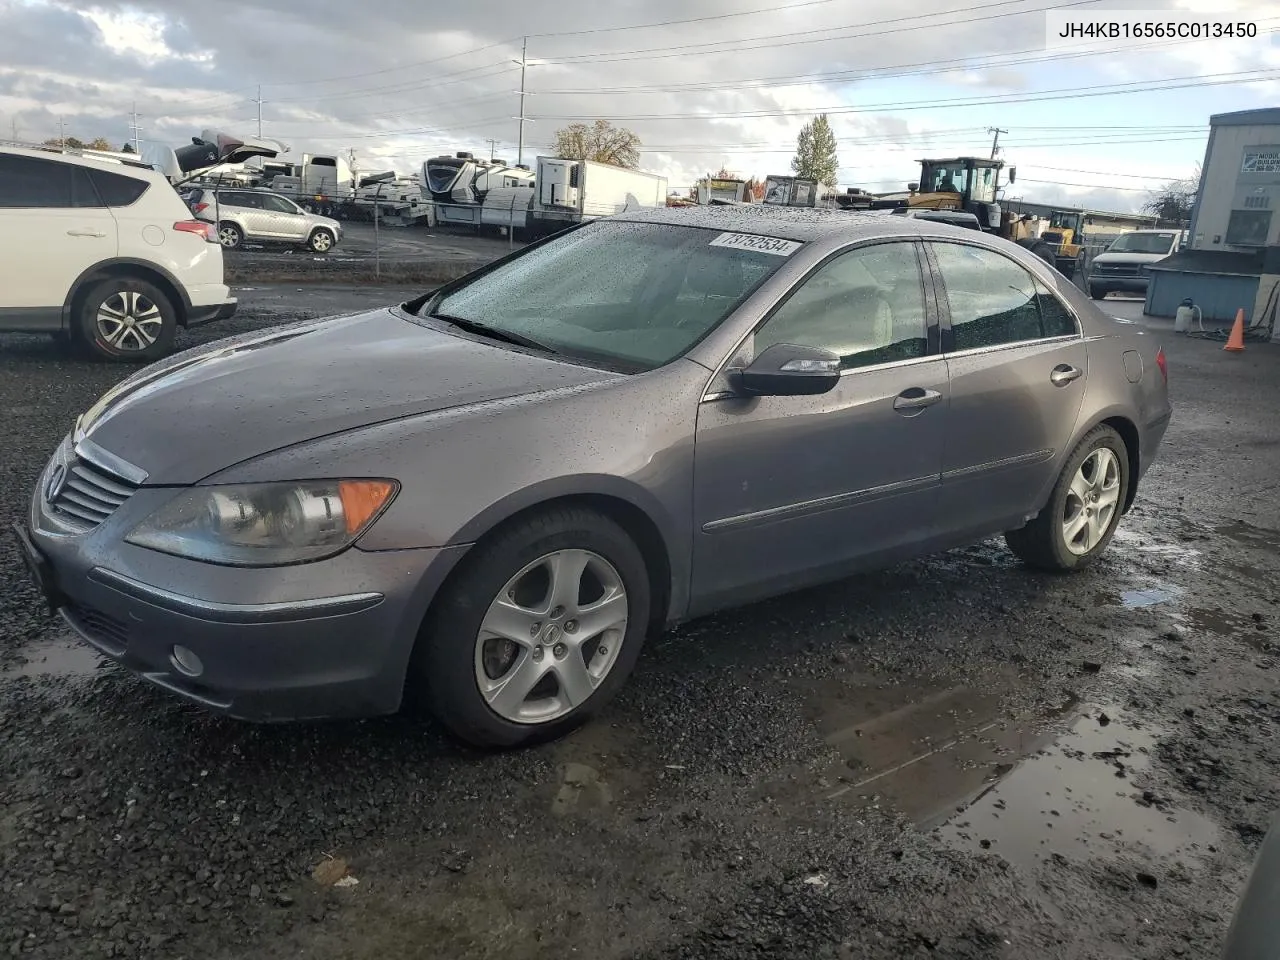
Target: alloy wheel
<point x="129" y="321"/>
<point x="551" y="636"/>
<point x="1092" y="501"/>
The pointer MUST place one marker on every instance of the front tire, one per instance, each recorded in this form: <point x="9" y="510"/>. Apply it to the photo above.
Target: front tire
<point x="1096" y="293"/>
<point x="1084" y="509"/>
<point x="320" y="241"/>
<point x="536" y="632"/>
<point x="126" y="320"/>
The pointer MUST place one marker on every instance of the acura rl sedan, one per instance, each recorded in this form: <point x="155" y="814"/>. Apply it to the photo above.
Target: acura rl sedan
<point x="485" y="499"/>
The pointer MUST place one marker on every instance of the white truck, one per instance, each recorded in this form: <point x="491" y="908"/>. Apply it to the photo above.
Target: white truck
<point x="570" y="191"/>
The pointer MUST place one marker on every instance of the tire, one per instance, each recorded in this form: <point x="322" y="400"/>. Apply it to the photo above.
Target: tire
<point x="1041" y="249"/>
<point x="1097" y="294"/>
<point x="452" y="657"/>
<point x="127" y="320"/>
<point x="321" y="240"/>
<point x="1043" y="543"/>
<point x="229" y="235"/>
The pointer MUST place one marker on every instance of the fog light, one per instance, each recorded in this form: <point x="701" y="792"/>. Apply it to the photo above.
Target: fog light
<point x="186" y="662"/>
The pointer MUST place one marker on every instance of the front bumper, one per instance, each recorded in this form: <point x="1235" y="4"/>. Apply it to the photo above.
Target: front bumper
<point x="331" y="638"/>
<point x="1119" y="284"/>
<point x="211" y="312"/>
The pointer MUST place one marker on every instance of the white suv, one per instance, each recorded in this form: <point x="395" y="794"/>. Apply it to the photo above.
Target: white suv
<point x="104" y="252"/>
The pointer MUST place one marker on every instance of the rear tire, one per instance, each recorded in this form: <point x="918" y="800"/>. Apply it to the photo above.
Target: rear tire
<point x="230" y="236"/>
<point x="321" y="240"/>
<point x="1094" y="478"/>
<point x="126" y="320"/>
<point x="499" y="582"/>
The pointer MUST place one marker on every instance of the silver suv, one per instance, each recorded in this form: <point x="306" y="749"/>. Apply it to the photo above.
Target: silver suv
<point x="260" y="216"/>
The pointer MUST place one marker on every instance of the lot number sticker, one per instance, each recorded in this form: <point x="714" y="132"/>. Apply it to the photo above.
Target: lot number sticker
<point x="749" y="241"/>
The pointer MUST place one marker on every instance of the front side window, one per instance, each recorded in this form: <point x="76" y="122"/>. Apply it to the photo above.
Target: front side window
<point x="278" y="205"/>
<point x="866" y="306"/>
<point x="984" y="185"/>
<point x="992" y="300"/>
<point x="633" y="295"/>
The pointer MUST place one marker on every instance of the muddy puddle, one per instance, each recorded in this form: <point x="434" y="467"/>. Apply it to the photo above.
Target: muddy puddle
<point x="1078" y="795"/>
<point x="64" y="658"/>
<point x="1062" y="778"/>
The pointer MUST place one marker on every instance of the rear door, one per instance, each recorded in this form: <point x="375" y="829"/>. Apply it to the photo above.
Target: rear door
<point x="53" y="227"/>
<point x="247" y="208"/>
<point x="790" y="489"/>
<point x="1017" y="366"/>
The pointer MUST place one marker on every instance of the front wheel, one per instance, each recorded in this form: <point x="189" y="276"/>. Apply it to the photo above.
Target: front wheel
<point x="321" y="241"/>
<point x="538" y="630"/>
<point x="127" y="320"/>
<point x="1080" y="518"/>
<point x="230" y="236"/>
<point x="1096" y="293"/>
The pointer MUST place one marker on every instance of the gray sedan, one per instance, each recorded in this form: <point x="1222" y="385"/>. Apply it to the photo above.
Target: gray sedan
<point x="488" y="497"/>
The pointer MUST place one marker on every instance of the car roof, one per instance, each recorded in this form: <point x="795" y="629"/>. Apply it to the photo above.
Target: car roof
<point x="788" y="223"/>
<point x="138" y="169"/>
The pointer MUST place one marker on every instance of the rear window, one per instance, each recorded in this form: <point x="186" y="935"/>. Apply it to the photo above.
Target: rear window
<point x="117" y="190"/>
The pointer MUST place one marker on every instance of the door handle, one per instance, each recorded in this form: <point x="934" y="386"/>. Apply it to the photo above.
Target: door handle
<point x="1064" y="373"/>
<point x="85" y="233"/>
<point x="916" y="399"/>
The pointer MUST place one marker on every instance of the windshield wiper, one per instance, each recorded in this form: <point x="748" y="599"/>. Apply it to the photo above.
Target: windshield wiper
<point x="493" y="333"/>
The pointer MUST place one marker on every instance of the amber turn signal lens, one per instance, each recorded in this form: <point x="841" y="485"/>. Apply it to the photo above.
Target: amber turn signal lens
<point x="362" y="499"/>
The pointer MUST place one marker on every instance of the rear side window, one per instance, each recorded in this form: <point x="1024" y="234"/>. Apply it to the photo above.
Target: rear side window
<point x="1056" y="319"/>
<point x="29" y="182"/>
<point x="117" y="190"/>
<point x="994" y="301"/>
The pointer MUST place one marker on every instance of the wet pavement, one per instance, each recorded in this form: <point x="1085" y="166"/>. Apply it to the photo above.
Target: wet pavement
<point x="955" y="757"/>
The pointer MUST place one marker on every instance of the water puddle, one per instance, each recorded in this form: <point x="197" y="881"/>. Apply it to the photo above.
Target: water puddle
<point x="1249" y="535"/>
<point x="65" y="658"/>
<point x="1075" y="797"/>
<point x="1149" y="597"/>
<point x="1178" y="553"/>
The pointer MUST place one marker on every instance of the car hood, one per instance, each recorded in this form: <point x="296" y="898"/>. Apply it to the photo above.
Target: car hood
<point x="1129" y="257"/>
<point x="204" y="410"/>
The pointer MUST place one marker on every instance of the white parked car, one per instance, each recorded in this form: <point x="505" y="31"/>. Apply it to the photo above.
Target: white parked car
<point x="105" y="253"/>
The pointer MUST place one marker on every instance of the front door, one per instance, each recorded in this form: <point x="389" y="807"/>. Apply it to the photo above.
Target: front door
<point x="790" y="490"/>
<point x="54" y="228"/>
<point x="1018" y="366"/>
<point x="284" y="220"/>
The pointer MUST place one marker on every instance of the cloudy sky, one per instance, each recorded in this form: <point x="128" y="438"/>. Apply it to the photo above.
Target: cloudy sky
<point x="705" y="84"/>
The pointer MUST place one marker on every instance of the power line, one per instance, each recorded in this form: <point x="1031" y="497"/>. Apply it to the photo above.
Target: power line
<point x="1059" y="93"/>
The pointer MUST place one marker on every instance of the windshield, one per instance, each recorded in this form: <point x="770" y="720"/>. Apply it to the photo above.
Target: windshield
<point x="634" y="295"/>
<point x="945" y="178"/>
<point x="1143" y="243"/>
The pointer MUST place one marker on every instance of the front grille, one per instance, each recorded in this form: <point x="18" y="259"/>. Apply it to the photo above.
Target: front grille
<point x="107" y="631"/>
<point x="1116" y="270"/>
<point x="90" y="494"/>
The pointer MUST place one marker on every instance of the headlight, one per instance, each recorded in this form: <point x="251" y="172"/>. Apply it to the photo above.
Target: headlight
<point x="265" y="524"/>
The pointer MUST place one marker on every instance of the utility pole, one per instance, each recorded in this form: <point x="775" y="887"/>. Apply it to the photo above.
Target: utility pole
<point x="62" y="133"/>
<point x="524" y="63"/>
<point x="493" y="146"/>
<point x="995" y="141"/>
<point x="258" y="101"/>
<point x="135" y="130"/>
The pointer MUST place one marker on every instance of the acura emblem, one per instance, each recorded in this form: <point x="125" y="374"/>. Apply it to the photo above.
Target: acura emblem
<point x="57" y="479"/>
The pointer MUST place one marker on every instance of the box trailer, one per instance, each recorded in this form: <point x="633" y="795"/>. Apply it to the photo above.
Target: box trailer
<point x="570" y="191"/>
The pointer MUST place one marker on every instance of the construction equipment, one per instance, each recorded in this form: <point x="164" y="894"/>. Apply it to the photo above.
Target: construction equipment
<point x="969" y="184"/>
<point x="1066" y="234"/>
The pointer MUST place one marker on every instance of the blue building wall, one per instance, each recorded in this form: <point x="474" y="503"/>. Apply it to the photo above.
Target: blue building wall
<point x="1217" y="295"/>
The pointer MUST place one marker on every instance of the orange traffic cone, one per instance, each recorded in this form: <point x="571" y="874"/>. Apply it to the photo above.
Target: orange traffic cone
<point x="1235" y="342"/>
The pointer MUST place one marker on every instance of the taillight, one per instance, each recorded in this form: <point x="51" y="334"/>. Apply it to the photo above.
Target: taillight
<point x="198" y="227"/>
<point x="200" y="207"/>
<point x="1162" y="363"/>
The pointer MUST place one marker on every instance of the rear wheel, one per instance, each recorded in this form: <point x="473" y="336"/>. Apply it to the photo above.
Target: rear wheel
<point x="1084" y="509"/>
<point x="1097" y="293"/>
<point x="126" y="319"/>
<point x="230" y="236"/>
<point x="537" y="631"/>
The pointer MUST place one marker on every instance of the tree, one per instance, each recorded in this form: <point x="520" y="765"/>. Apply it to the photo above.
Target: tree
<point x="755" y="189"/>
<point x="815" y="157"/>
<point x="128" y="148"/>
<point x="97" y="143"/>
<point x="1173" y="201"/>
<point x="601" y="142"/>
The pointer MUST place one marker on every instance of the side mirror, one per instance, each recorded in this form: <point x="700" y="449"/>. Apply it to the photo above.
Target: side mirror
<point x="913" y="187"/>
<point x="1013" y="174"/>
<point x="788" y="370"/>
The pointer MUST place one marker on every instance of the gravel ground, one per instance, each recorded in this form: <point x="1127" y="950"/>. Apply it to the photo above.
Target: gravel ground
<point x="954" y="758"/>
